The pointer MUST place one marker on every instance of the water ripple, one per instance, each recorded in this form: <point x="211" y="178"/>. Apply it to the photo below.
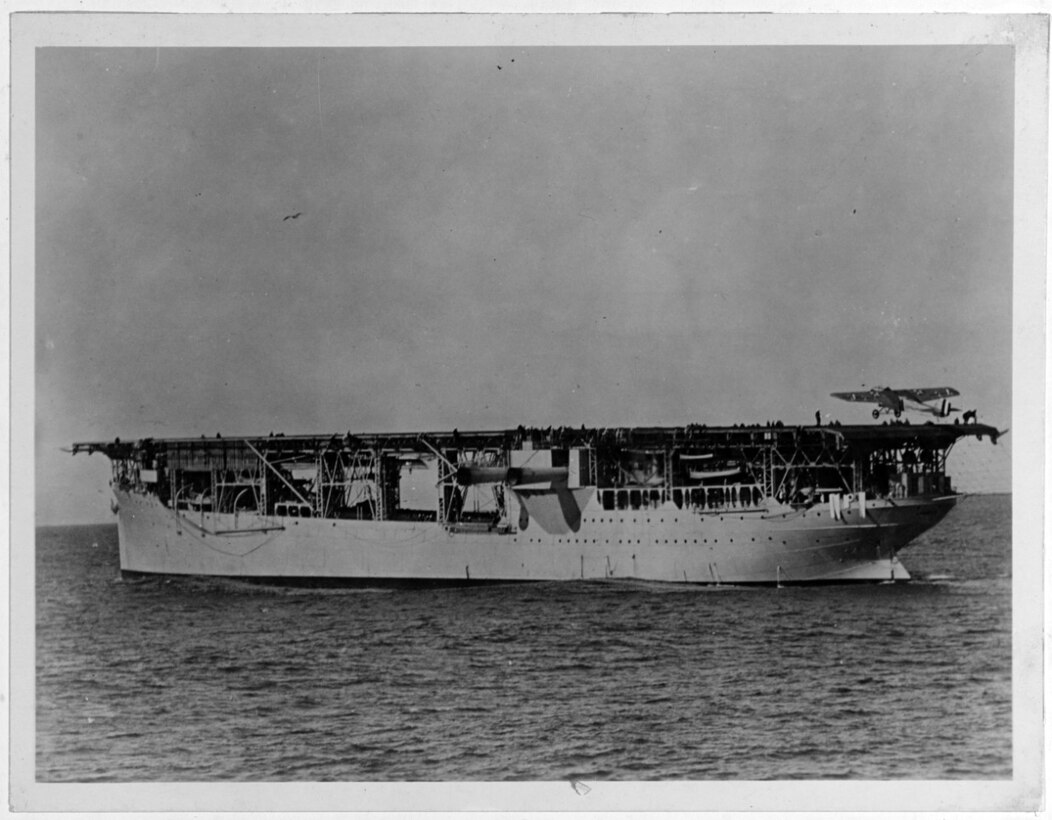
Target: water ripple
<point x="621" y="680"/>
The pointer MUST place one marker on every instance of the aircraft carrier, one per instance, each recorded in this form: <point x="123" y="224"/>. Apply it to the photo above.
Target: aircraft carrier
<point x="760" y="504"/>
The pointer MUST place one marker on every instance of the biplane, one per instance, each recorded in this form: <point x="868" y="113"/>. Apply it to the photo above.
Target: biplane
<point x="896" y="401"/>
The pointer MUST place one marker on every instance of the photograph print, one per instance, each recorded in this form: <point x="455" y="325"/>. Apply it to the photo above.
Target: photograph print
<point x="626" y="417"/>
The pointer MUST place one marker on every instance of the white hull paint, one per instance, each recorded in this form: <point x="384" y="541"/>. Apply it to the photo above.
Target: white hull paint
<point x="660" y="544"/>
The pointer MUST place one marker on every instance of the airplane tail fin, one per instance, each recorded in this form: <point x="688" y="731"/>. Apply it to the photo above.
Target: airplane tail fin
<point x="948" y="408"/>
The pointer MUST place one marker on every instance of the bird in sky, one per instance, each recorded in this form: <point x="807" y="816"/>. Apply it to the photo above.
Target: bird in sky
<point x="296" y="215"/>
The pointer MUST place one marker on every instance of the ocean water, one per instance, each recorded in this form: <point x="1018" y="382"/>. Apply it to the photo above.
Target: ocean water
<point x="201" y="680"/>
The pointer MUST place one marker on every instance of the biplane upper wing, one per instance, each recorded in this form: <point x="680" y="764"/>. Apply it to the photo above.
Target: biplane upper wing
<point x="923" y="394"/>
<point x="862" y="395"/>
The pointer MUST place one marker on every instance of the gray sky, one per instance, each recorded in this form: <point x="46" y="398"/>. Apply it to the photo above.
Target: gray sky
<point x="495" y="236"/>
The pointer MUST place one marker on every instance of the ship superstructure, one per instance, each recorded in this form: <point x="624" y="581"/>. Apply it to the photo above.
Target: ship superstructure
<point x="696" y="504"/>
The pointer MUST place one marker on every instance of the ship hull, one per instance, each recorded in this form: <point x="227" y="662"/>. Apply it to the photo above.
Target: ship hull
<point x="663" y="544"/>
